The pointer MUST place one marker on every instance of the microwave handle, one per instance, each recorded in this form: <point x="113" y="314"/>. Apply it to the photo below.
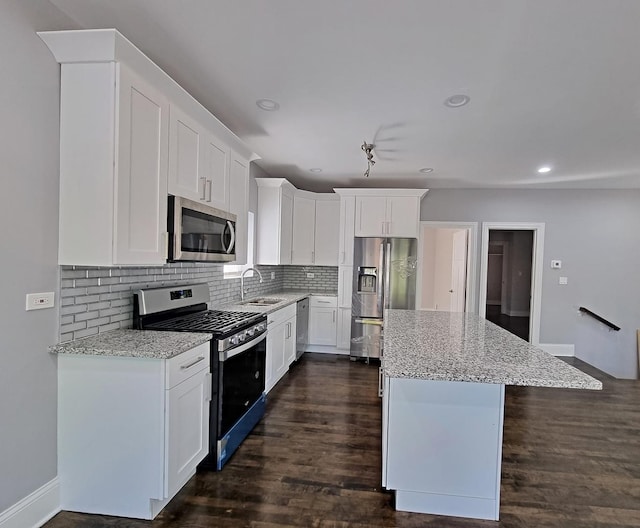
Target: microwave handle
<point x="232" y="243"/>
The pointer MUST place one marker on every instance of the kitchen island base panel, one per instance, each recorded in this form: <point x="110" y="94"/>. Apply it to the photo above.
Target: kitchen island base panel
<point x="470" y="507"/>
<point x="444" y="446"/>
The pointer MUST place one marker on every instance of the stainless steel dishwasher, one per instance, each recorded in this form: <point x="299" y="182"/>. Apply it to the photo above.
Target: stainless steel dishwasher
<point x="302" y="326"/>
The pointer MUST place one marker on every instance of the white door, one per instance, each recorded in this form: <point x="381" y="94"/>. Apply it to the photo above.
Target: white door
<point x="446" y="280"/>
<point x="459" y="271"/>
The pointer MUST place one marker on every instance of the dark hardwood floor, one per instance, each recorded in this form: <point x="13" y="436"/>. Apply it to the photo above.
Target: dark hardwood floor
<point x="571" y="459"/>
<point x="518" y="326"/>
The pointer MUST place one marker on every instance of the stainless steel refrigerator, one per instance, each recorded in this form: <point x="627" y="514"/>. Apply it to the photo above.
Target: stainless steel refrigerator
<point x="384" y="276"/>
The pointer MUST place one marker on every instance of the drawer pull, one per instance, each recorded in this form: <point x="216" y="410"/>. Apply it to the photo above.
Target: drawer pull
<point x="194" y="362"/>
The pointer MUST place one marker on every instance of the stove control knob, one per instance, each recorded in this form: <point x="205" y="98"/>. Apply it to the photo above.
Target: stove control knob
<point x="240" y="338"/>
<point x="233" y="340"/>
<point x="250" y="332"/>
<point x="260" y="327"/>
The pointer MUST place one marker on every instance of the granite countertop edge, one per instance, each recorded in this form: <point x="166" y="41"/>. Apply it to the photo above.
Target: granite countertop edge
<point x="133" y="343"/>
<point x="463" y="347"/>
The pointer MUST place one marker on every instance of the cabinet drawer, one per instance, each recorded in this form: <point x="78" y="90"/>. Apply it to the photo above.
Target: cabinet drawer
<point x="187" y="364"/>
<point x="281" y="315"/>
<point x="323" y="301"/>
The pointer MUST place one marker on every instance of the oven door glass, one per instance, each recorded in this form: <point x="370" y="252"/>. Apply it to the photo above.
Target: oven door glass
<point x="242" y="383"/>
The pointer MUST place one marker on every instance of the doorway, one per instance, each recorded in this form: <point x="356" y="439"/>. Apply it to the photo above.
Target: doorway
<point x="511" y="277"/>
<point x="446" y="266"/>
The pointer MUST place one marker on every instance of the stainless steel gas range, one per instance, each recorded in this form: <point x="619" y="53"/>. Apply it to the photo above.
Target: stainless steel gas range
<point x="238" y="351"/>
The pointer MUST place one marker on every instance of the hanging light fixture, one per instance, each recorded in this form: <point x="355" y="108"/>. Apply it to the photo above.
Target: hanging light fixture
<point x="367" y="148"/>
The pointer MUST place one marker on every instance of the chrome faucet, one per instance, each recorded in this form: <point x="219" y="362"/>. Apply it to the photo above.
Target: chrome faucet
<point x="242" y="290"/>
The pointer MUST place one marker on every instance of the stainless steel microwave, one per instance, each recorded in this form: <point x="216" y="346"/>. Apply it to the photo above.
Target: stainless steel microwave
<point x="198" y="232"/>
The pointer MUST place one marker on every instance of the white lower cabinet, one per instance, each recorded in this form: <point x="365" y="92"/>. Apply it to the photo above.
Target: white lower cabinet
<point x="323" y="320"/>
<point x="131" y="431"/>
<point x="281" y="344"/>
<point x="343" y="340"/>
<point x="442" y="446"/>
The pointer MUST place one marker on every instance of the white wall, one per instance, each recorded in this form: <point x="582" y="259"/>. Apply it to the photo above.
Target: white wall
<point x="29" y="145"/>
<point x="596" y="234"/>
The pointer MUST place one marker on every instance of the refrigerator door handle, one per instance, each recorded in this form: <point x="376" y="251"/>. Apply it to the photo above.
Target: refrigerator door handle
<point x="387" y="274"/>
<point x="380" y="287"/>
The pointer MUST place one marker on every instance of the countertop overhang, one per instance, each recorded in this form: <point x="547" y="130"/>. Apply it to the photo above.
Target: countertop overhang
<point x="452" y="346"/>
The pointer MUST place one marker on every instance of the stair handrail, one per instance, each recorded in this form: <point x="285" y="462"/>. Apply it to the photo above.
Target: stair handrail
<point x="599" y="318"/>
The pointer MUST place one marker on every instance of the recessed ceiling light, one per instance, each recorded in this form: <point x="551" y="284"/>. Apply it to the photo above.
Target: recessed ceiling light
<point x="315" y="169"/>
<point x="543" y="170"/>
<point x="426" y="170"/>
<point x="269" y="105"/>
<point x="457" y="100"/>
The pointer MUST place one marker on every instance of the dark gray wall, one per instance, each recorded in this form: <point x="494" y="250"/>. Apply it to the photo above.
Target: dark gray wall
<point x="596" y="234"/>
<point x="29" y="146"/>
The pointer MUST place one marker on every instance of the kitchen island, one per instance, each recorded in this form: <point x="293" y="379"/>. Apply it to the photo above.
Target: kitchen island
<point x="444" y="377"/>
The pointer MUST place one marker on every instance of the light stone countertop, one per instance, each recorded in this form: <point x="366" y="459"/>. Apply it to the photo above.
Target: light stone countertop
<point x="134" y="343"/>
<point x="165" y="345"/>
<point x="465" y="347"/>
<point x="287" y="297"/>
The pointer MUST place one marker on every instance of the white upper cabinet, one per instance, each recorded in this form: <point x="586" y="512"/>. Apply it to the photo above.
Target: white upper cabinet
<point x="327" y="231"/>
<point x="129" y="135"/>
<point x="113" y="167"/>
<point x="304" y="222"/>
<point x="347" y="230"/>
<point x="199" y="163"/>
<point x="316" y="226"/>
<point x="186" y="153"/>
<point x="296" y="227"/>
<point x="239" y="203"/>
<point x="216" y="173"/>
<point x="275" y="221"/>
<point x="397" y="216"/>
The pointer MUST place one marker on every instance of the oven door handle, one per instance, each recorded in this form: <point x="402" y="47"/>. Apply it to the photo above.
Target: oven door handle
<point x="228" y="354"/>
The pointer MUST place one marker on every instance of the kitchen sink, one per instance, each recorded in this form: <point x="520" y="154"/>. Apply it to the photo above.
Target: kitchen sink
<point x="263" y="301"/>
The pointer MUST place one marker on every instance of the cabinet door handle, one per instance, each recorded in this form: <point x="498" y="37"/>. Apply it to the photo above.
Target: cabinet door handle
<point x="208" y="188"/>
<point x="380" y="386"/>
<point x="203" y="184"/>
<point x="334" y="316"/>
<point x="194" y="362"/>
<point x="313" y="256"/>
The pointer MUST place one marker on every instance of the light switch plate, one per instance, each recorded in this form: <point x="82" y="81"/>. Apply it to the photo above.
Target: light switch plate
<point x="39" y="301"/>
<point x="310" y="275"/>
<point x="273" y="275"/>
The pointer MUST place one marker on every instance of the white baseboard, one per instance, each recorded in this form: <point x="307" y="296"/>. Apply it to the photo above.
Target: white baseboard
<point x="518" y="313"/>
<point x="35" y="509"/>
<point x="324" y="349"/>
<point x="558" y="349"/>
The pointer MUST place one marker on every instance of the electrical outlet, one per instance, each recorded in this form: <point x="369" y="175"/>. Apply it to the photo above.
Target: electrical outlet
<point x="273" y="275"/>
<point x="310" y="275"/>
<point x="39" y="301"/>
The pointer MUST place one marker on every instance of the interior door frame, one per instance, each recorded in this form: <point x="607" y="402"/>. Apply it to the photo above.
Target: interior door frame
<point x="536" y="270"/>
<point x="471" y="293"/>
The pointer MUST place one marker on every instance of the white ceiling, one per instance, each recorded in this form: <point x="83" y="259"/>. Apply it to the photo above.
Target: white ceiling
<point x="553" y="82"/>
